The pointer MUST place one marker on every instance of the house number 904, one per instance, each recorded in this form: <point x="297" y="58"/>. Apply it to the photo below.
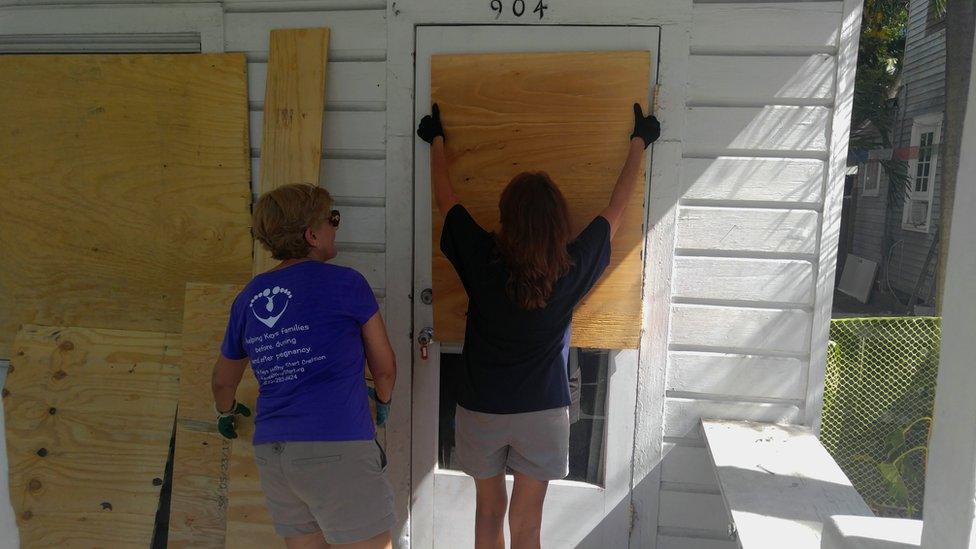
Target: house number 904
<point x="518" y="8"/>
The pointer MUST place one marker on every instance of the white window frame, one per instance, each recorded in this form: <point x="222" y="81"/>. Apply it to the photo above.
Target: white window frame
<point x="872" y="177"/>
<point x="922" y="125"/>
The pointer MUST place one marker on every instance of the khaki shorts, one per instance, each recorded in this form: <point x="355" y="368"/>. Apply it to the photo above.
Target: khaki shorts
<point x="336" y="487"/>
<point x="532" y="443"/>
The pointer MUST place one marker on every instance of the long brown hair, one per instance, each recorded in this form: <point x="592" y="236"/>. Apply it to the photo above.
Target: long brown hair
<point x="532" y="240"/>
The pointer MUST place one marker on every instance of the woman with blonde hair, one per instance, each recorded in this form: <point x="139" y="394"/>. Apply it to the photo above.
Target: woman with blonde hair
<point x="523" y="283"/>
<point x="308" y="328"/>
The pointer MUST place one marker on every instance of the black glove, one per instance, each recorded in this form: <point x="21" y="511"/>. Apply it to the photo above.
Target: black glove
<point x="430" y="126"/>
<point x="645" y="127"/>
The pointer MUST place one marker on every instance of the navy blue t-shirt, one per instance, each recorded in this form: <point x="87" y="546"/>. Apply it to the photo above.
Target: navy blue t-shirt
<point x="515" y="360"/>
<point x="301" y="328"/>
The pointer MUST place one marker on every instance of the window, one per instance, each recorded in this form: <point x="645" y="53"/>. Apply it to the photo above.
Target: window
<point x="926" y="136"/>
<point x="872" y="178"/>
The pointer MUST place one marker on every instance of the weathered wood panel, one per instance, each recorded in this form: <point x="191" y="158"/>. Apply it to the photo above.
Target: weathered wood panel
<point x="765" y="27"/>
<point x="737" y="375"/>
<point x="507" y="113"/>
<point x="89" y="417"/>
<point x="784" y="281"/>
<point x="198" y="510"/>
<point x="753" y="179"/>
<point x="768" y="79"/>
<point x="774" y="128"/>
<point x="343" y="177"/>
<point x="745" y="328"/>
<point x="682" y="416"/>
<point x="747" y="229"/>
<point x="122" y="178"/>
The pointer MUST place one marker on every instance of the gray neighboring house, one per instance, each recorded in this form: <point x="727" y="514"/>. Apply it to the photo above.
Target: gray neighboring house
<point x="911" y="224"/>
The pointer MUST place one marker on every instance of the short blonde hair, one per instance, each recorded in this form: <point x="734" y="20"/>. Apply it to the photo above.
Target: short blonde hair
<point x="281" y="216"/>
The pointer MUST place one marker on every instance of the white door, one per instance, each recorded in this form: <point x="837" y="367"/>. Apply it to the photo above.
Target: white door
<point x="591" y="508"/>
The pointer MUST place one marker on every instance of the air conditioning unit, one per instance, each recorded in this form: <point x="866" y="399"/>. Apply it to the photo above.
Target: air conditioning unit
<point x="918" y="213"/>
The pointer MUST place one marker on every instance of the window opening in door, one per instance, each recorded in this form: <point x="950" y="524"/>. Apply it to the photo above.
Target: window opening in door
<point x="589" y="381"/>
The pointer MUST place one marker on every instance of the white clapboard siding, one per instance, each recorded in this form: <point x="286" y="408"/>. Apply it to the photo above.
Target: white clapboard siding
<point x="747" y="229"/>
<point x="342" y="130"/>
<point x="688" y="465"/>
<point x="353" y="35"/>
<point x="749" y="329"/>
<point x="682" y="416"/>
<point x="737" y="375"/>
<point x="671" y="542"/>
<point x="766" y="27"/>
<point x="772" y="128"/>
<point x="693" y="510"/>
<point x="344" y="177"/>
<point x="362" y="225"/>
<point x="372" y="265"/>
<point x="753" y="179"/>
<point x="761" y="79"/>
<point x="785" y="281"/>
<point x="346" y="82"/>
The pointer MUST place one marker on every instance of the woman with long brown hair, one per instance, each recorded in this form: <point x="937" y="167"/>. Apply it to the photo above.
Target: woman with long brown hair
<point x="523" y="283"/>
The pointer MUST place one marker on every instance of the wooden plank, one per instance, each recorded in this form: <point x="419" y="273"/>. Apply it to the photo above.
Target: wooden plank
<point x="747" y="230"/>
<point x="291" y="135"/>
<point x="89" y="418"/>
<point x="688" y="465"/>
<point x="693" y="510"/>
<point x="748" y="329"/>
<point x="359" y="34"/>
<point x="343" y="130"/>
<point x="778" y="482"/>
<point x="773" y="128"/>
<point x="737" y="375"/>
<point x="682" y="416"/>
<point x="124" y="177"/>
<point x="753" y="179"/>
<point x="783" y="281"/>
<point x="343" y="177"/>
<point x="765" y="27"/>
<point x="349" y="82"/>
<point x="199" y="501"/>
<point x="506" y="113"/>
<point x="675" y="542"/>
<point x="767" y="79"/>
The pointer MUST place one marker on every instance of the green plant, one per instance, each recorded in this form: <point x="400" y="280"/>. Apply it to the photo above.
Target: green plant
<point x="900" y="468"/>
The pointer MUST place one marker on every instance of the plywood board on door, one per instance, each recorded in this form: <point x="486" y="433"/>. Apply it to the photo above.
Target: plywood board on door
<point x="89" y="417"/>
<point x="570" y="115"/>
<point x="198" y="509"/>
<point x="123" y="177"/>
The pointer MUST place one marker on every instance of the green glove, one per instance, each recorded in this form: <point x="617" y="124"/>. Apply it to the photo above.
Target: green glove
<point x="227" y="421"/>
<point x="382" y="408"/>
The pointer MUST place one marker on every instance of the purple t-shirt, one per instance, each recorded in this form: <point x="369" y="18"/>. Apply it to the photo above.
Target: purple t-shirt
<point x="301" y="328"/>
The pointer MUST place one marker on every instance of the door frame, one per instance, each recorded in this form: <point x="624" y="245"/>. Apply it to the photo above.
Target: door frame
<point x="614" y="499"/>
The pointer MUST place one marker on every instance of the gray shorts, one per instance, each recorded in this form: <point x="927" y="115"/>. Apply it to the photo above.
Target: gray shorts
<point x="336" y="487"/>
<point x="532" y="443"/>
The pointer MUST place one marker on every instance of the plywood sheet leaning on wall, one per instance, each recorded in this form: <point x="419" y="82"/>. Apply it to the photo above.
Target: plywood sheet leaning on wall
<point x="294" y="107"/>
<point x="89" y="419"/>
<point x="122" y="177"/>
<point x="198" y="510"/>
<point x="568" y="114"/>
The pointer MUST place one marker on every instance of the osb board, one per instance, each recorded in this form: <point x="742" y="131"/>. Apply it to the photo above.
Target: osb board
<point x="248" y="522"/>
<point x="198" y="511"/>
<point x="89" y="419"/>
<point x="568" y="114"/>
<point x="122" y="177"/>
<point x="294" y="106"/>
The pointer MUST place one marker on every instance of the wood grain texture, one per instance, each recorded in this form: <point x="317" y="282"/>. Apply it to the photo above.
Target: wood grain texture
<point x="567" y="114"/>
<point x="122" y="178"/>
<point x="89" y="419"/>
<point x="290" y="129"/>
<point x="198" y="511"/>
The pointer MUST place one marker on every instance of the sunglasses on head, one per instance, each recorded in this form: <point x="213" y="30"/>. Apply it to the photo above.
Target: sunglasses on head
<point x="334" y="218"/>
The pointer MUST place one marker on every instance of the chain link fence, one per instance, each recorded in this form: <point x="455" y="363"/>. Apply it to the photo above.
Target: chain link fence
<point x="878" y="401"/>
